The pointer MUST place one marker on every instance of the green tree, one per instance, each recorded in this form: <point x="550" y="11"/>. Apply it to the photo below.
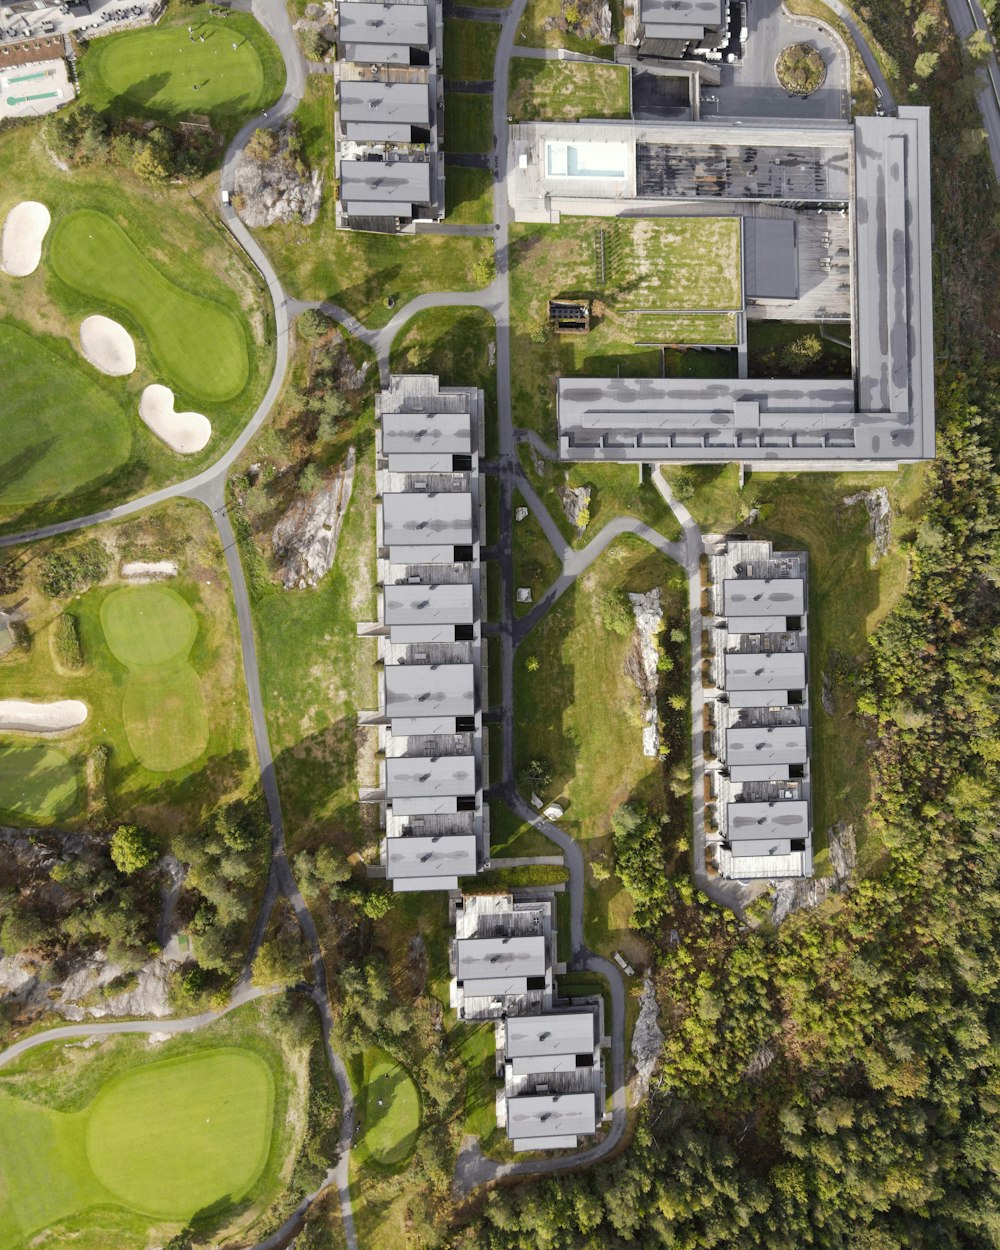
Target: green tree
<point x="133" y="848"/>
<point x="262" y="146"/>
<point x="311" y="324"/>
<point x="277" y="962"/>
<point x="617" y="615"/>
<point x="979" y="45"/>
<point x="926" y="64"/>
<point x="801" y="354"/>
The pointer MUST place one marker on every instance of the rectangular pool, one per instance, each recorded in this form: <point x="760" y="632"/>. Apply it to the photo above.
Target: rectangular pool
<point x="586" y="160"/>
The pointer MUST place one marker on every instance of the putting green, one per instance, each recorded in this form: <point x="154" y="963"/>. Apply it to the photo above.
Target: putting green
<point x="165" y="1140"/>
<point x="390" y="1129"/>
<point x="165" y="716"/>
<point x="61" y="431"/>
<point x="198" y="345"/>
<point x="154" y="72"/>
<point x="147" y="625"/>
<point x="37" y="783"/>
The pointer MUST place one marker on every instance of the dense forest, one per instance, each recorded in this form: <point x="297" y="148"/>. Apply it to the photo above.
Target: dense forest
<point x="835" y="1081"/>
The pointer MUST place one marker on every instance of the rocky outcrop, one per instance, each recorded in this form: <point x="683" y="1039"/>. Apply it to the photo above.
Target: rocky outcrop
<point x="277" y="190"/>
<point x="879" y="519"/>
<point x="305" y="539"/>
<point x="647" y="1040"/>
<point x="648" y="611"/>
<point x="797" y="895"/>
<point x="576" y="504"/>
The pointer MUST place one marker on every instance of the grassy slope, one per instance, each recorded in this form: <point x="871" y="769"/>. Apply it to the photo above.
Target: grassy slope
<point x="176" y="230"/>
<point x="260" y="1099"/>
<point x="181" y="531"/>
<point x="360" y="271"/>
<point x="566" y="91"/>
<point x="197" y="345"/>
<point x="470" y="48"/>
<point x="536" y="565"/>
<point x="152" y="72"/>
<point x="390" y="1130"/>
<point x="683" y="263"/>
<point x="582" y="714"/>
<point x="847" y="597"/>
<point x="468" y="122"/>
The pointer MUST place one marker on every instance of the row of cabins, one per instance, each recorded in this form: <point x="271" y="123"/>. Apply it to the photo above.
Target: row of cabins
<point x="390" y="112"/>
<point x="503" y="963"/>
<point x="429" y="719"/>
<point x="758" y="704"/>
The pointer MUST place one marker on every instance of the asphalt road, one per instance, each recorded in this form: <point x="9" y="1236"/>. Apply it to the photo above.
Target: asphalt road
<point x="967" y="17"/>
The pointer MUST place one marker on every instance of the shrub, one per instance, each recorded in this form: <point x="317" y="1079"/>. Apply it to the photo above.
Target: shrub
<point x="262" y="145"/>
<point x="484" y="270"/>
<point x="616" y="612"/>
<point x="536" y="775"/>
<point x="66" y="641"/>
<point x="72" y="569"/>
<point x="312" y="324"/>
<point x="801" y="353"/>
<point x="11" y="577"/>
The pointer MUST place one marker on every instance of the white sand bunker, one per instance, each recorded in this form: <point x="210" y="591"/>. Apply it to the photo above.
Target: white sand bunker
<point x="185" y="432"/>
<point x="21" y="241"/>
<point x="44" y="718"/>
<point x="107" y="346"/>
<point x="149" y="570"/>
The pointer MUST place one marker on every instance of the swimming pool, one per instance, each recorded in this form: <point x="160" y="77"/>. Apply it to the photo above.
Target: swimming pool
<point x="586" y="160"/>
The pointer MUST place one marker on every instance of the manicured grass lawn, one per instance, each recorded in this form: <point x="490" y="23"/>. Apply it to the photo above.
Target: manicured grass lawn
<point x="148" y="625"/>
<point x="567" y="90"/>
<point x="178" y="731"/>
<point x="468" y="196"/>
<point x="40" y="458"/>
<point x="153" y="72"/>
<point x="390" y="1130"/>
<point x="198" y="345"/>
<point x="118" y="1145"/>
<point x="38" y="784"/>
<point x="536" y="565"/>
<point x="685" y="328"/>
<point x="662" y="264"/>
<point x="468" y="122"/>
<point x="475" y="1045"/>
<point x="470" y="49"/>
<point x="847" y="597"/>
<point x="511" y="837"/>
<point x="582" y="715"/>
<point x="92" y="458"/>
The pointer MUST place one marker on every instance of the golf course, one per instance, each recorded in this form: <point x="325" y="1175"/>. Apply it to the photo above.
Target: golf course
<point x="154" y="72"/>
<point x="391" y="1109"/>
<point x="164" y="1140"/>
<point x="197" y="346"/>
<point x="38" y="784"/>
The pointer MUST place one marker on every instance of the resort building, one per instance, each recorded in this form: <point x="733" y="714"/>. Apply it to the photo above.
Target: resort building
<point x="675" y="28"/>
<point x="503" y="961"/>
<point x="390" y="106"/>
<point x="431" y="752"/>
<point x="835" y="226"/>
<point x="758" y="705"/>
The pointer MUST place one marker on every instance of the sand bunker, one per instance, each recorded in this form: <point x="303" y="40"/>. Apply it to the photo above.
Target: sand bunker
<point x="149" y="570"/>
<point x="107" y="346"/>
<point x="185" y="432"/>
<point x="21" y="241"/>
<point x="43" y="718"/>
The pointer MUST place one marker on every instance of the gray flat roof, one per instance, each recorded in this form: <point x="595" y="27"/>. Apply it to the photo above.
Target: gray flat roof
<point x="364" y="23"/>
<point x="551" y="1115"/>
<point x="426" y="432"/>
<point x="760" y="596"/>
<point x="774" y="744"/>
<point x="396" y="184"/>
<point x="430" y="690"/>
<point x="787" y="818"/>
<point x="763" y="846"/>
<point x="405" y="726"/>
<point x="894" y="296"/>
<point x="452" y="856"/>
<point x="411" y="776"/>
<point x="493" y="958"/>
<point x="784" y="670"/>
<point x="562" y="1033"/>
<point x="418" y="518"/>
<point x="446" y="603"/>
<point x="770" y="258"/>
<point x="385" y="103"/>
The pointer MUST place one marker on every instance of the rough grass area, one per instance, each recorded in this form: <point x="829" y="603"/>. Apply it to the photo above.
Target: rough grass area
<point x="536" y="565"/>
<point x="120" y="1145"/>
<point x="847" y="597"/>
<point x="359" y="271"/>
<point x="581" y="714"/>
<point x="554" y="24"/>
<point x="656" y="264"/>
<point x="470" y="48"/>
<point x="178" y="731"/>
<point x="198" y="345"/>
<point x="73" y="460"/>
<point x="38" y="784"/>
<point x="673" y="328"/>
<point x="468" y="124"/>
<point x="153" y="72"/>
<point x="567" y="90"/>
<point x="39" y="456"/>
<point x="391" y="1112"/>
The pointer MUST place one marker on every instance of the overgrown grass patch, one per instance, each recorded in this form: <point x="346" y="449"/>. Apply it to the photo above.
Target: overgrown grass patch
<point x="567" y="90"/>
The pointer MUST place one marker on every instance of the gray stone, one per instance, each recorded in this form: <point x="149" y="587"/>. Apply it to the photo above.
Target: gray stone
<point x="305" y="539"/>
